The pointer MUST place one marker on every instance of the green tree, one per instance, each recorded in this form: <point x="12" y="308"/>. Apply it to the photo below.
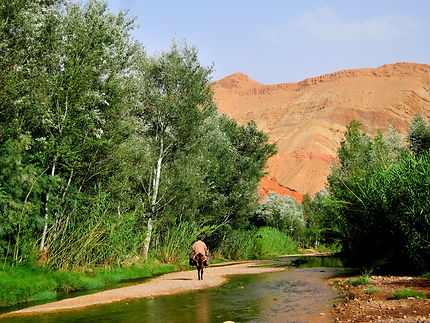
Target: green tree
<point x="419" y="135"/>
<point x="66" y="83"/>
<point x="234" y="158"/>
<point x="21" y="185"/>
<point x="175" y="99"/>
<point x="319" y="213"/>
<point x="111" y="142"/>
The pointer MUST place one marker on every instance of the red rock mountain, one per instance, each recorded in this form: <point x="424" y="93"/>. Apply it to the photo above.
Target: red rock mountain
<point x="307" y="119"/>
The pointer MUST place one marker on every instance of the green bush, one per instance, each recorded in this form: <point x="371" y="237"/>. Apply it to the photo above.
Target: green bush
<point x="322" y="233"/>
<point x="283" y="213"/>
<point x="175" y="243"/>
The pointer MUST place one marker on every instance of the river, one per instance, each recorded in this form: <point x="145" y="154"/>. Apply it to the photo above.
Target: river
<point x="298" y="294"/>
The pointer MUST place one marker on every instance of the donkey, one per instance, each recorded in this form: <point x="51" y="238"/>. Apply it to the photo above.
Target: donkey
<point x="200" y="259"/>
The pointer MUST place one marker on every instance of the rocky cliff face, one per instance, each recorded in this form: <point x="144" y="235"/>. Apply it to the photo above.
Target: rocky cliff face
<point x="307" y="119"/>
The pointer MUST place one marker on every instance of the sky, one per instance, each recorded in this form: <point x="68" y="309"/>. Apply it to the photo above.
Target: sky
<point x="275" y="41"/>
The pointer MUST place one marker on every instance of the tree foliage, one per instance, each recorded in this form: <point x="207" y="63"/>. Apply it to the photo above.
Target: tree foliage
<point x="105" y="150"/>
<point x="419" y="135"/>
<point x="319" y="212"/>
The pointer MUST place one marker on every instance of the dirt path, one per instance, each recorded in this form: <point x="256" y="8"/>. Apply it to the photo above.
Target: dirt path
<point x="172" y="283"/>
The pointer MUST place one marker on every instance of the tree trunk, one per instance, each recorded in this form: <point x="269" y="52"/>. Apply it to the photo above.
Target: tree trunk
<point x="155" y="189"/>
<point x="45" y="227"/>
<point x="145" y="250"/>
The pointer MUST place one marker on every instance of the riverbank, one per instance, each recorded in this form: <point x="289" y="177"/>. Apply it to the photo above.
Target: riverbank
<point x="374" y="301"/>
<point x="178" y="282"/>
<point x="23" y="284"/>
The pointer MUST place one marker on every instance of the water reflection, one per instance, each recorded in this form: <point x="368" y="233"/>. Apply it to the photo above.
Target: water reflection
<point x="311" y="262"/>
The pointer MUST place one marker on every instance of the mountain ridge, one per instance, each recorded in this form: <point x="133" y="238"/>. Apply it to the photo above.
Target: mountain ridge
<point x="307" y="119"/>
<point x="386" y="70"/>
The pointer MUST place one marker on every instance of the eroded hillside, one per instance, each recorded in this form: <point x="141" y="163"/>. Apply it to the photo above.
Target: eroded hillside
<point x="307" y="119"/>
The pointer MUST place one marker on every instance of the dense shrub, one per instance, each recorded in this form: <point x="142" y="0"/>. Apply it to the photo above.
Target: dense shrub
<point x="283" y="213"/>
<point x="419" y="135"/>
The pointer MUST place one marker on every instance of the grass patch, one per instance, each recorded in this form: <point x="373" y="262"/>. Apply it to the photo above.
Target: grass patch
<point x="427" y="275"/>
<point x="405" y="293"/>
<point x="47" y="294"/>
<point x="219" y="260"/>
<point x="358" y="281"/>
<point x="371" y="290"/>
<point x="138" y="270"/>
<point x="21" y="284"/>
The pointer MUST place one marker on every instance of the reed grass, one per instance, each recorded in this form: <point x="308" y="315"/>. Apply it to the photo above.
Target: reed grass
<point x="237" y="244"/>
<point x="265" y="242"/>
<point x="175" y="243"/>
<point x="271" y="243"/>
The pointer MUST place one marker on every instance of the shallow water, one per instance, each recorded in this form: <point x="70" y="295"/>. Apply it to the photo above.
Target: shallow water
<point x="295" y="295"/>
<point x="63" y="295"/>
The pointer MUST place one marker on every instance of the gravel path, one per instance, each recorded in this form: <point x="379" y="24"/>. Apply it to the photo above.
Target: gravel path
<point x="172" y="283"/>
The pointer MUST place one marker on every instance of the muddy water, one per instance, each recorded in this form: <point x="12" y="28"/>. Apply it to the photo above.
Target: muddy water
<point x="295" y="295"/>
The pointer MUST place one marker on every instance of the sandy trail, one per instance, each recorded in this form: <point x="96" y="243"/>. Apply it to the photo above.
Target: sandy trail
<point x="172" y="283"/>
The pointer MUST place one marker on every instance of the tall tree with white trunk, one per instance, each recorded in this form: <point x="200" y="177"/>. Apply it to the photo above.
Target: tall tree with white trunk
<point x="175" y="98"/>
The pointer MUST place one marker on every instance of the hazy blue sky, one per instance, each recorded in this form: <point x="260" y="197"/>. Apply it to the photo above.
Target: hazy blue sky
<point x="276" y="41"/>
